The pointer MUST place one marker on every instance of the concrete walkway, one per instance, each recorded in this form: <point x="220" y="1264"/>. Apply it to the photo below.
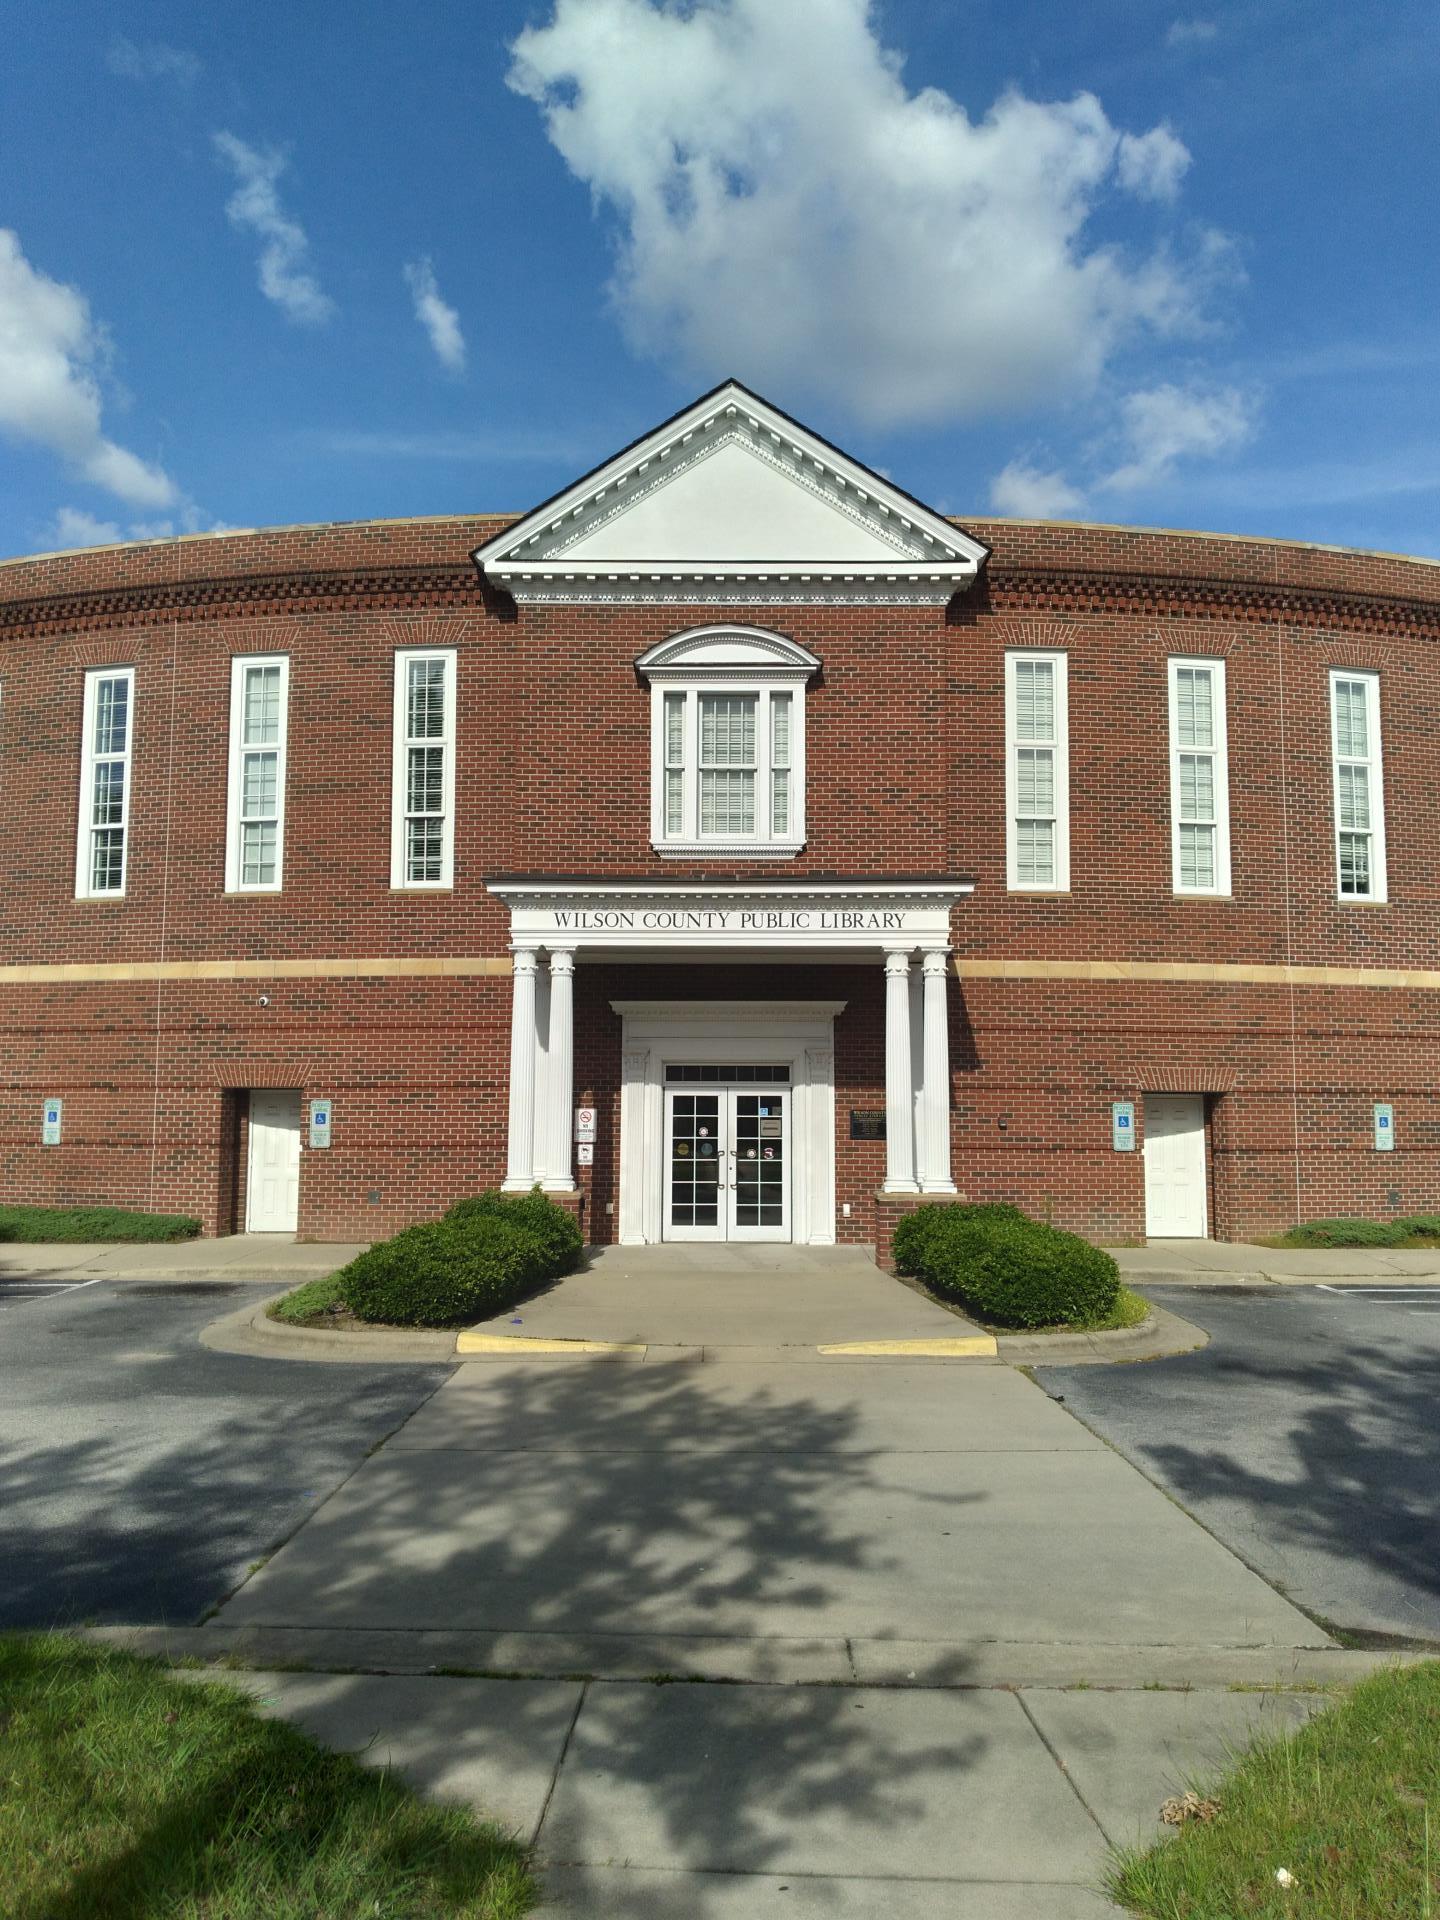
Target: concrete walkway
<point x="918" y="1575"/>
<point x="775" y="1302"/>
<point x="1243" y="1263"/>
<point x="711" y="1803"/>
<point x="270" y="1258"/>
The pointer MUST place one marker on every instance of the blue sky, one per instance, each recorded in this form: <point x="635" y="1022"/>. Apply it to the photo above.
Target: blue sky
<point x="1126" y="261"/>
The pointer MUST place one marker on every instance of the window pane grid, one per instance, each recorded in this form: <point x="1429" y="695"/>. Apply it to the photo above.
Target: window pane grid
<point x="1194" y="707"/>
<point x="1035" y="700"/>
<point x="261" y="719"/>
<point x="1358" y="859"/>
<point x="426" y="743"/>
<point x="105" y="807"/>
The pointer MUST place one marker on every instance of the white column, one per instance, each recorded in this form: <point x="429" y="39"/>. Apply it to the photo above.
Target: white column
<point x="558" y="1175"/>
<point x="935" y="1131"/>
<point x="520" y="1162"/>
<point x="899" y="1081"/>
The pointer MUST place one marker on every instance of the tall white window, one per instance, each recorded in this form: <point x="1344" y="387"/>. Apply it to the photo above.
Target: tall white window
<point x="1359" y="788"/>
<point x="727" y="741"/>
<point x="422" y="836"/>
<point x="100" y="856"/>
<point x="1199" y="778"/>
<point x="255" y="820"/>
<point x="1037" y="772"/>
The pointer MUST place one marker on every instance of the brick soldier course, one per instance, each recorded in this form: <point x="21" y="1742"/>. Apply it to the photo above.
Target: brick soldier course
<point x="1289" y="1010"/>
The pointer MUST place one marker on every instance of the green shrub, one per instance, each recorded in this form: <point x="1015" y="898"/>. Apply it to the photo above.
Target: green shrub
<point x="35" y="1224"/>
<point x="1010" y="1269"/>
<point x="1346" y="1233"/>
<point x="484" y="1255"/>
<point x="1420" y="1226"/>
<point x="556" y="1230"/>
<point x="922" y="1236"/>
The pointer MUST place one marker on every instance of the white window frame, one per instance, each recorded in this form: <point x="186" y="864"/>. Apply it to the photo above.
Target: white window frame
<point x="240" y="664"/>
<point x="691" y="839"/>
<point x="85" y="889"/>
<point x="1374" y="762"/>
<point x="1219" y="755"/>
<point x="1060" y="747"/>
<point x="400" y="771"/>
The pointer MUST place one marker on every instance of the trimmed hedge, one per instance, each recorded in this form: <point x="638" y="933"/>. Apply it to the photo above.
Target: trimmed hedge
<point x="37" y="1224"/>
<point x="557" y="1231"/>
<point x="483" y="1256"/>
<point x="1346" y="1233"/>
<point x="1008" y="1268"/>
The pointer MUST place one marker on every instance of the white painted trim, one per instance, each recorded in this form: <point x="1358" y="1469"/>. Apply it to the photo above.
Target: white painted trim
<point x="759" y="684"/>
<point x="84" y="890"/>
<point x="1220" y="758"/>
<point x="1061" y="768"/>
<point x="932" y="559"/>
<point x="399" y="772"/>
<point x="797" y="1033"/>
<point x="734" y="649"/>
<point x="239" y="665"/>
<point x="1379" y="892"/>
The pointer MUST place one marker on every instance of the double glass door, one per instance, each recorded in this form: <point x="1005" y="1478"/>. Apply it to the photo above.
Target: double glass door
<point x="728" y="1164"/>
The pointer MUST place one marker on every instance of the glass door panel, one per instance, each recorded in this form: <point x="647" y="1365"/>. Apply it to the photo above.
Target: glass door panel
<point x="760" y="1196"/>
<point x="696" y="1170"/>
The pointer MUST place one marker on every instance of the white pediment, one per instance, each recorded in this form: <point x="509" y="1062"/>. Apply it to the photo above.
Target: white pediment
<point x="732" y="502"/>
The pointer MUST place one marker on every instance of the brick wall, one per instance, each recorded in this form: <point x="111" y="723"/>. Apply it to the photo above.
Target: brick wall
<point x="905" y="753"/>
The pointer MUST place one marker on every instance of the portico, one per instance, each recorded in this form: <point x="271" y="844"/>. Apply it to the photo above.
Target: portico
<point x="703" y="1059"/>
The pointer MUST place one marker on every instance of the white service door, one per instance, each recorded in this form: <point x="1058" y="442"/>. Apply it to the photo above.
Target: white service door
<point x="1175" y="1166"/>
<point x="273" y="1185"/>
<point x="728" y="1164"/>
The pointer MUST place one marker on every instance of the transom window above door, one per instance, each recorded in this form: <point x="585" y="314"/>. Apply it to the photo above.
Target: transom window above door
<point x="727" y="743"/>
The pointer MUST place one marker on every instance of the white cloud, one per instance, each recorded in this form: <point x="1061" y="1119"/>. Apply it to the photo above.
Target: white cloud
<point x="1162" y="425"/>
<point x="440" y="320"/>
<point x="791" y="212"/>
<point x="1152" y="165"/>
<point x="51" y="351"/>
<point x="285" y="275"/>
<point x="1190" y="33"/>
<point x="154" y="61"/>
<point x="74" y="527"/>
<point x="1030" y="493"/>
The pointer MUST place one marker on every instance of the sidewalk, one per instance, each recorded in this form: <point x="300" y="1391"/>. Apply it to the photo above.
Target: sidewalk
<point x="268" y="1258"/>
<point x="1242" y="1263"/>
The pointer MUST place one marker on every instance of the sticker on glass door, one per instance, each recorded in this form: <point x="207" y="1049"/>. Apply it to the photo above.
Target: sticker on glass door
<point x="729" y="1175"/>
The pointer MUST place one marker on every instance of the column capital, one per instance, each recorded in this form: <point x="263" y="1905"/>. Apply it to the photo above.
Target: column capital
<point x="936" y="960"/>
<point x="524" y="960"/>
<point x="562" y="959"/>
<point x="897" y="960"/>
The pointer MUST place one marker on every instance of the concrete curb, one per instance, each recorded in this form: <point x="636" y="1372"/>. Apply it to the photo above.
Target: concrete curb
<point x="947" y="1665"/>
<point x="1157" y="1338"/>
<point x="251" y="1331"/>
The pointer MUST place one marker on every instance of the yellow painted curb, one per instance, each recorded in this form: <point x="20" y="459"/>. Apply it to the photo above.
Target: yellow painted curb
<point x="519" y="1343"/>
<point x="973" y="1346"/>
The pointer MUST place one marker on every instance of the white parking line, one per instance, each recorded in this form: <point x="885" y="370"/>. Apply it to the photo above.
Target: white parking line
<point x="40" y="1289"/>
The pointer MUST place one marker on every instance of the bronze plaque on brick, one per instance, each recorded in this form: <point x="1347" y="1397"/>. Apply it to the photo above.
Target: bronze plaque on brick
<point x="867" y="1123"/>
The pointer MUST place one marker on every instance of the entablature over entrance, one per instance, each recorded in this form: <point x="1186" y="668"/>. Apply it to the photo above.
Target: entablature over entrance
<point x="839" y="917"/>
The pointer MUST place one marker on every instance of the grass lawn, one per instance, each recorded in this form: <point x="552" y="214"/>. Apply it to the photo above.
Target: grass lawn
<point x="1349" y="1807"/>
<point x="93" y="1223"/>
<point x="315" y="1304"/>
<point x="129" y="1795"/>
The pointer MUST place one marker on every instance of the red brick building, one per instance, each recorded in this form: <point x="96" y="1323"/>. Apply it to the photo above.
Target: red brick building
<point x="828" y="852"/>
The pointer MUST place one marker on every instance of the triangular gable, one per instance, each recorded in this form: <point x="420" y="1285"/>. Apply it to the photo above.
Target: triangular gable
<point x="728" y="503"/>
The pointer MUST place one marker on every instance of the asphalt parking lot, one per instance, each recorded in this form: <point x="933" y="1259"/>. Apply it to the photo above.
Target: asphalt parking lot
<point x="1304" y="1436"/>
<point x="142" y="1474"/>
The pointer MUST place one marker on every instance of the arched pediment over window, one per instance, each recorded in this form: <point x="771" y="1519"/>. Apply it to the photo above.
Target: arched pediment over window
<point x="727" y="648"/>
